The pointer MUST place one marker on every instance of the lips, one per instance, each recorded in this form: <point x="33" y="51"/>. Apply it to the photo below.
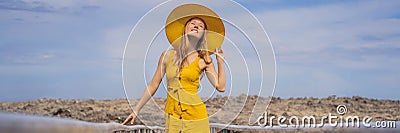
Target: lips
<point x="194" y="30"/>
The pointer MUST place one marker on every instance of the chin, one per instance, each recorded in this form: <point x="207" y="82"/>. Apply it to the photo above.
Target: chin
<point x="194" y="35"/>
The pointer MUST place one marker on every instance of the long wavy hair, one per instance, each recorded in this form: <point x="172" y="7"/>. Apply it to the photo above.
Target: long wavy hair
<point x="201" y="47"/>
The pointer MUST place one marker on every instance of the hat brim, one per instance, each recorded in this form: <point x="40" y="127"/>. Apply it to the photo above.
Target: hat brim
<point x="180" y="15"/>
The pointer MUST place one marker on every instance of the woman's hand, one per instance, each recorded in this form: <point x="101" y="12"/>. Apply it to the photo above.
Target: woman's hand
<point x="131" y="118"/>
<point x="220" y="54"/>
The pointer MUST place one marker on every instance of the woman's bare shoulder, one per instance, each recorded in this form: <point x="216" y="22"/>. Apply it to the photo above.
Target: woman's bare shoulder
<point x="165" y="54"/>
<point x="169" y="51"/>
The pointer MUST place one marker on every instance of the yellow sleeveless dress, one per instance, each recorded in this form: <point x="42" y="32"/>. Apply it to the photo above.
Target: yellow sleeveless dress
<point x="185" y="111"/>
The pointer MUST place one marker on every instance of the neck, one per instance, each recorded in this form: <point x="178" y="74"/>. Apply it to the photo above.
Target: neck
<point x="192" y="43"/>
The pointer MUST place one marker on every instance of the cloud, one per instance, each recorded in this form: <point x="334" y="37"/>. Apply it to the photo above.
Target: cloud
<point x="334" y="47"/>
<point x="30" y="59"/>
<point x="73" y="50"/>
<point x="20" y="5"/>
<point x="310" y="31"/>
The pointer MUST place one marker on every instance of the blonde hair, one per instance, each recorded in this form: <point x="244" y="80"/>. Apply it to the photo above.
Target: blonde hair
<point x="201" y="47"/>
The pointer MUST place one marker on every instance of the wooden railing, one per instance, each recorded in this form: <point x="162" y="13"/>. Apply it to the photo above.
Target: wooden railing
<point x="20" y="123"/>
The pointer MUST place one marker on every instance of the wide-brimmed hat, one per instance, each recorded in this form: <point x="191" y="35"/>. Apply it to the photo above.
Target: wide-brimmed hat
<point x="180" y="15"/>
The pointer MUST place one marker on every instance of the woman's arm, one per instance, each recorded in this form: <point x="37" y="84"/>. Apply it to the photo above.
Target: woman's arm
<point x="150" y="90"/>
<point x="217" y="80"/>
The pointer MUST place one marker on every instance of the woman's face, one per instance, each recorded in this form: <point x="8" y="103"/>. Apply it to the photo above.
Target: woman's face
<point x="195" y="28"/>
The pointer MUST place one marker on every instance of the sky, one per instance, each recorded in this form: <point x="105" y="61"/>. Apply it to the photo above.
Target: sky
<point x="73" y="49"/>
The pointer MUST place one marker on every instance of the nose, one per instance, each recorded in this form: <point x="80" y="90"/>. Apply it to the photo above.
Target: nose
<point x="195" y="26"/>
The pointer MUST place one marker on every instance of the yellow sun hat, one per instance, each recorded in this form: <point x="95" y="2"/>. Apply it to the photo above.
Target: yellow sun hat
<point x="180" y="15"/>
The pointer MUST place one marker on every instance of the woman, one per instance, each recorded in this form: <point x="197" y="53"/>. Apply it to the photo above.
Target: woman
<point x="199" y="30"/>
